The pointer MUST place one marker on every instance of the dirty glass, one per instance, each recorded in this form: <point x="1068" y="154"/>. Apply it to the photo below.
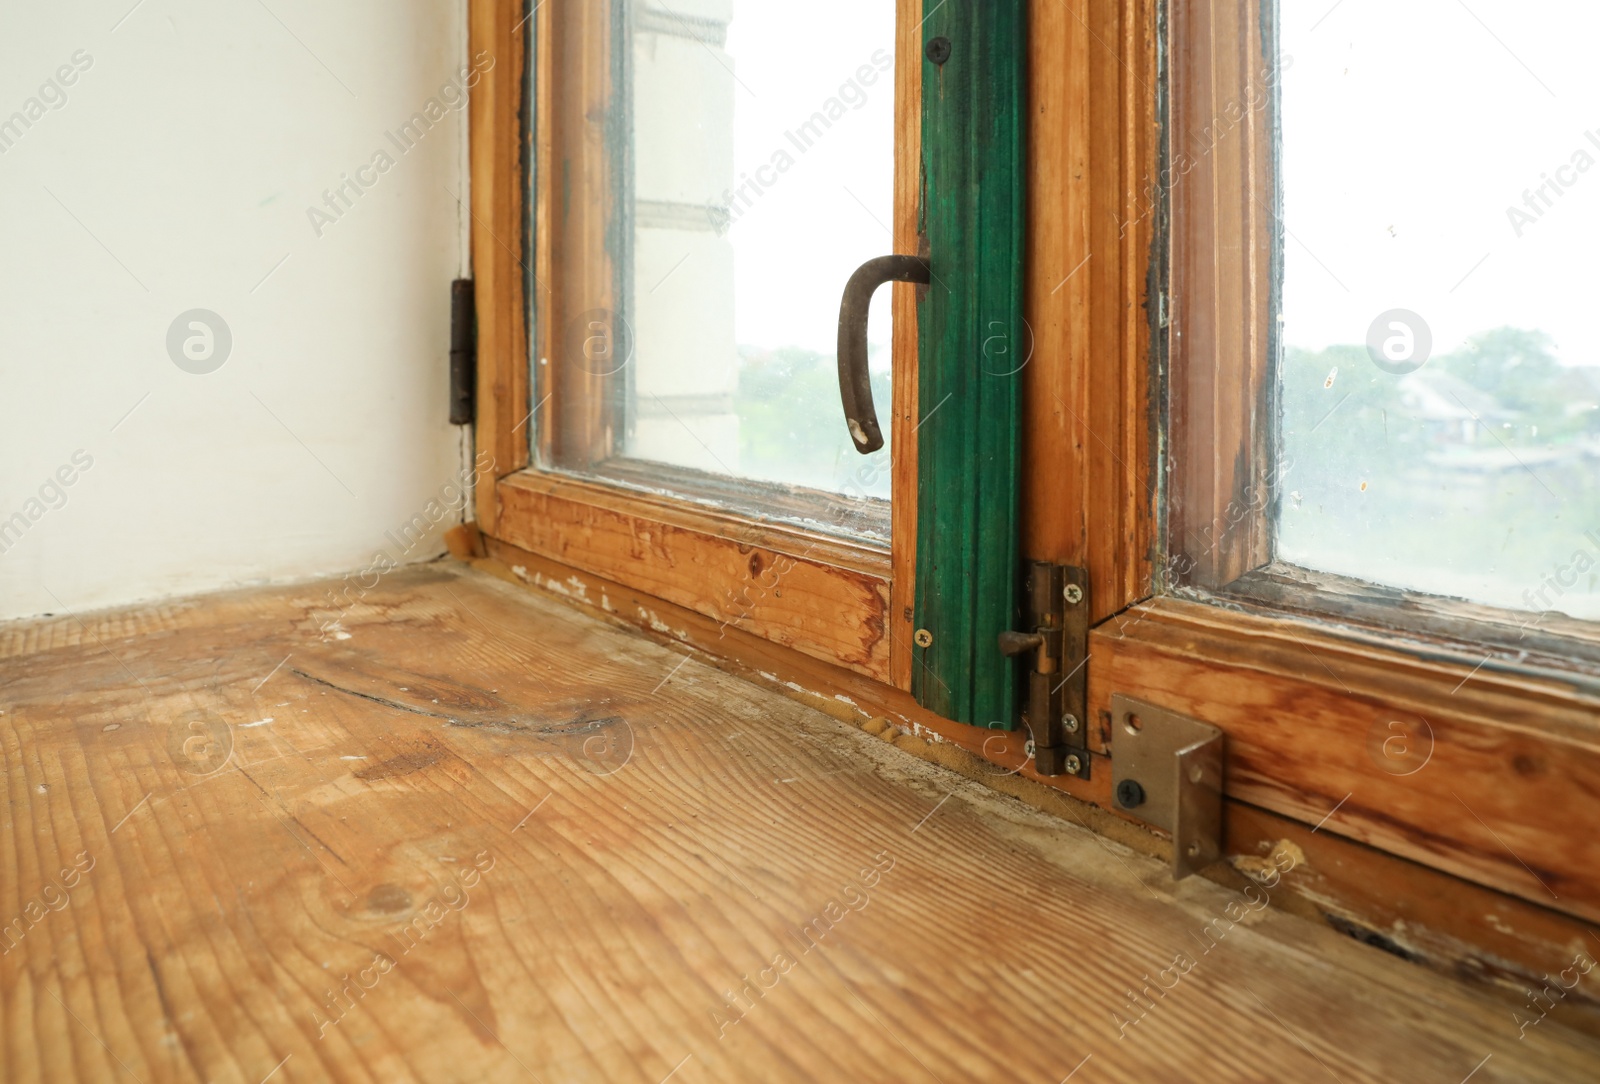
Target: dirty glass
<point x="1440" y="360"/>
<point x="762" y="169"/>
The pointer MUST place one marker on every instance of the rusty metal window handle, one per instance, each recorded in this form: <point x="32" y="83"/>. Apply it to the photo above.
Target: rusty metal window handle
<point x="855" y="383"/>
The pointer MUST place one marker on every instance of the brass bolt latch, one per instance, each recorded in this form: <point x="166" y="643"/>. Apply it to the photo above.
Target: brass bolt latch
<point x="1057" y="649"/>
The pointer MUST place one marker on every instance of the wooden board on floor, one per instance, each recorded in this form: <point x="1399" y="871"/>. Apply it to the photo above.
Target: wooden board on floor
<point x="440" y="829"/>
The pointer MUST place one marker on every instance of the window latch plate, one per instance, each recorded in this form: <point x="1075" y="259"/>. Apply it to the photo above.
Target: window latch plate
<point x="1167" y="770"/>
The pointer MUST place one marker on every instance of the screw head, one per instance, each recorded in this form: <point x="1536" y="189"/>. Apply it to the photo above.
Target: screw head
<point x="1072" y="764"/>
<point x="1072" y="593"/>
<point x="1130" y="795"/>
<point x="938" y="50"/>
<point x="1069" y="723"/>
<point x="923" y="638"/>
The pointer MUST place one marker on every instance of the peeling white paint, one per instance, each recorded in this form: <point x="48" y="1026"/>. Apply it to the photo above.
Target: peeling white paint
<point x="654" y="621"/>
<point x="555" y="587"/>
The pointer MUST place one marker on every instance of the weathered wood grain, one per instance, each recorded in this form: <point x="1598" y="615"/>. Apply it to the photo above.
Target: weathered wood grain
<point x="1221" y="187"/>
<point x="842" y="693"/>
<point x="1093" y="156"/>
<point x="498" y="271"/>
<point x="824" y="596"/>
<point x="581" y="121"/>
<point x="529" y="845"/>
<point x="910" y="240"/>
<point x="1454" y="926"/>
<point x="1485" y="778"/>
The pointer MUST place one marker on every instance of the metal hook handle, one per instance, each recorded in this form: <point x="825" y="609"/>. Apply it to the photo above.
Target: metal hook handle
<point x="855" y="384"/>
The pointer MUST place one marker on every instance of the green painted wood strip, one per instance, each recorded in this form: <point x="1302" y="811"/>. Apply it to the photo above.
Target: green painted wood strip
<point x="972" y="344"/>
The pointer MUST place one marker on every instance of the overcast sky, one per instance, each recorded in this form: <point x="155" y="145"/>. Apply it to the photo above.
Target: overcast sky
<point x="795" y="248"/>
<point x="1409" y="129"/>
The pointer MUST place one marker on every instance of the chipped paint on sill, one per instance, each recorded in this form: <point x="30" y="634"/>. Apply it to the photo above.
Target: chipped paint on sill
<point x="653" y="621"/>
<point x="1499" y="924"/>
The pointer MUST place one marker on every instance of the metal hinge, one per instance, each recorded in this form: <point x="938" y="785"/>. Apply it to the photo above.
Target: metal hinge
<point x="1056" y="605"/>
<point x="1167" y="770"/>
<point x="463" y="353"/>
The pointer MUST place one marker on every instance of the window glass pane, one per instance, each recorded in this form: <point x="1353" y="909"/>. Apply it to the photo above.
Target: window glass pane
<point x="1441" y="361"/>
<point x="762" y="176"/>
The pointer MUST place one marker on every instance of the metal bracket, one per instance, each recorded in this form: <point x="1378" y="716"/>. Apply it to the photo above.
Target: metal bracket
<point x="1056" y="600"/>
<point x="1167" y="770"/>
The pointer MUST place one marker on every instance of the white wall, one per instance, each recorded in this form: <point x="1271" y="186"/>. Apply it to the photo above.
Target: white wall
<point x="177" y="176"/>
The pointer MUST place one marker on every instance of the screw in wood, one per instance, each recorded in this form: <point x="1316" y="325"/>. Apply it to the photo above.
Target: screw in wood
<point x="924" y="638"/>
<point x="1130" y="795"/>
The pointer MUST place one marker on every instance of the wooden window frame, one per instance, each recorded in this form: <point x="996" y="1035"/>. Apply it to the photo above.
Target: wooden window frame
<point x="840" y="601"/>
<point x="1514" y="749"/>
<point x="1472" y="822"/>
<point x="1479" y="863"/>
